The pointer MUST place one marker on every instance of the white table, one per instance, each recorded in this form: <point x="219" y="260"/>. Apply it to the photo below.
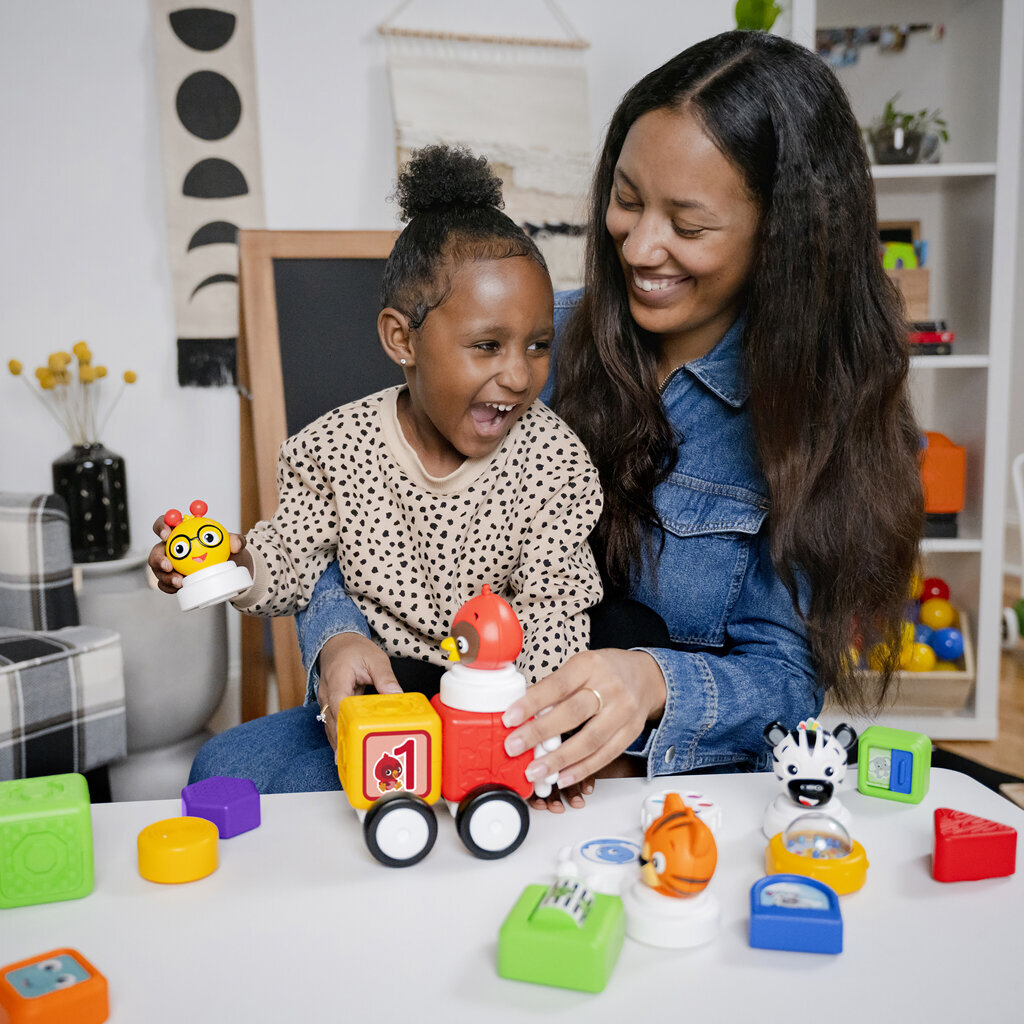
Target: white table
<point x="300" y="924"/>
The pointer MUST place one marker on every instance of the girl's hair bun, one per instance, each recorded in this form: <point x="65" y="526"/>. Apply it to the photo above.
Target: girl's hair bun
<point x="446" y="177"/>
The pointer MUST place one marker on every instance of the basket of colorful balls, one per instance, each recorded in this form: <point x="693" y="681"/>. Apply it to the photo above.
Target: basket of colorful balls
<point x="936" y="657"/>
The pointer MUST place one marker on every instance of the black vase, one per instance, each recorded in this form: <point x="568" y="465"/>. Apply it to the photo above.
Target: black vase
<point x="91" y="480"/>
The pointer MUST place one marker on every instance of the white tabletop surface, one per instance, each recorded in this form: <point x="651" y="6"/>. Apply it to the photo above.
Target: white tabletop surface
<point x="300" y="924"/>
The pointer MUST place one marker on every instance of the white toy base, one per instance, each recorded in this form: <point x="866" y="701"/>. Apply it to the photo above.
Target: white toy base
<point x="213" y="585"/>
<point x="605" y="864"/>
<point x="669" y="921"/>
<point x="481" y="690"/>
<point x="781" y="811"/>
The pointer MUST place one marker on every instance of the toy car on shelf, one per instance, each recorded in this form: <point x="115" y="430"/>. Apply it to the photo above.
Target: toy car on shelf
<point x="399" y="753"/>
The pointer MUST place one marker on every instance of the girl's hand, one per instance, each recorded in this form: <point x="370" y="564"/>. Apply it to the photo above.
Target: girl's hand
<point x="349" y="662"/>
<point x="170" y="581"/>
<point x="571" y="795"/>
<point x="612" y="694"/>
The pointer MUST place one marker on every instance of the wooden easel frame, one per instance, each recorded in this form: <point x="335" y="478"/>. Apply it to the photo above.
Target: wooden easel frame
<point x="264" y="426"/>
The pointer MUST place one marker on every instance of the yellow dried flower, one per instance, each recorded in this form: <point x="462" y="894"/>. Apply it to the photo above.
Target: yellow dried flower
<point x="130" y="376"/>
<point x="47" y="381"/>
<point x="86" y="372"/>
<point x="81" y="350"/>
<point x="15" y="367"/>
<point x="101" y="371"/>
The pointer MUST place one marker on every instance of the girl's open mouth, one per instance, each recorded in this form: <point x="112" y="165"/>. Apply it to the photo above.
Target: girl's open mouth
<point x="492" y="418"/>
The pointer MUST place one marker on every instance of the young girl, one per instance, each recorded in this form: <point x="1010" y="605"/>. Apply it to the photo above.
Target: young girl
<point x="425" y="492"/>
<point x="737" y="368"/>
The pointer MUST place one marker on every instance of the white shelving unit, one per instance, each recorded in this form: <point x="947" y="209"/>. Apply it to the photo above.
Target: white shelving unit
<point x="967" y="206"/>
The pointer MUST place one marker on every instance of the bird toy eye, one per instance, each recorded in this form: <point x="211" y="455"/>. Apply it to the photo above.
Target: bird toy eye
<point x="198" y="508"/>
<point x="172" y="517"/>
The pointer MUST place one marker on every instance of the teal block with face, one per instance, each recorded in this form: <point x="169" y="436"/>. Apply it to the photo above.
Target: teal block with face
<point x="893" y="764"/>
<point x="45" y="840"/>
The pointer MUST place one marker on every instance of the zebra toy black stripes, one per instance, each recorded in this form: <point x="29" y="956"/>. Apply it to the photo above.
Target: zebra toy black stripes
<point x="810" y="762"/>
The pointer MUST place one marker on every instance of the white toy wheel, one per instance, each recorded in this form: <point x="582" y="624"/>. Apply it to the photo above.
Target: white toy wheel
<point x="400" y="830"/>
<point x="492" y="821"/>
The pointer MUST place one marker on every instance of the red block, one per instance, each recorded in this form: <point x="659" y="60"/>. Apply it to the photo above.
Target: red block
<point x="474" y="753"/>
<point x="968" y="847"/>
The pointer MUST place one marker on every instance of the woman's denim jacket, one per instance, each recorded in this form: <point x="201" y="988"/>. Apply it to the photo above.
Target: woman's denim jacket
<point x="741" y="658"/>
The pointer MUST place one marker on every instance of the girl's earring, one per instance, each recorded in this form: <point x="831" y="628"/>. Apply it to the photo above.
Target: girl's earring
<point x="403" y="362"/>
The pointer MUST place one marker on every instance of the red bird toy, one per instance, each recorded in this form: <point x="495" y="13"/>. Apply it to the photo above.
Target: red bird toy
<point x="485" y="633"/>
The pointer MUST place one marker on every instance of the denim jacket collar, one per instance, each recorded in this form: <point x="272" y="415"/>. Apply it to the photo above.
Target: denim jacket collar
<point x="722" y="369"/>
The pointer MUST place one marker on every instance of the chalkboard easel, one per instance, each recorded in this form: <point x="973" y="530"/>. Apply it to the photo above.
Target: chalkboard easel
<point x="308" y="303"/>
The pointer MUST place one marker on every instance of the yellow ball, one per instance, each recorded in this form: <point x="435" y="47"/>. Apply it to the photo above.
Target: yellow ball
<point x="877" y="656"/>
<point x="936" y="613"/>
<point x="922" y="659"/>
<point x="945" y="666"/>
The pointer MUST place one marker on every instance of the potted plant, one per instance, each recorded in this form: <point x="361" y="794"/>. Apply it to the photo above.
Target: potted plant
<point x="898" y="137"/>
<point x="756" y="15"/>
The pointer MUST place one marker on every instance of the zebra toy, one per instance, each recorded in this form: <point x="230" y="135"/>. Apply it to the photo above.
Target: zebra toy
<point x="810" y="762"/>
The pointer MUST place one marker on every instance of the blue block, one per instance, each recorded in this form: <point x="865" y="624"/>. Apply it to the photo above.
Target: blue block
<point x="795" y="913"/>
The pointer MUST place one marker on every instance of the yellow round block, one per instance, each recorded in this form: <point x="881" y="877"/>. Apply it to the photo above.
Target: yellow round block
<point x="178" y="850"/>
<point x="843" y="874"/>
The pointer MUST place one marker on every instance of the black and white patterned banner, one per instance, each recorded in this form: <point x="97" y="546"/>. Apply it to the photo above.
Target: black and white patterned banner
<point x="213" y="184"/>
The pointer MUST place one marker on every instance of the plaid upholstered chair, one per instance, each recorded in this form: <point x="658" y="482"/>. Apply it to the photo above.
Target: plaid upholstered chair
<point x="62" y="701"/>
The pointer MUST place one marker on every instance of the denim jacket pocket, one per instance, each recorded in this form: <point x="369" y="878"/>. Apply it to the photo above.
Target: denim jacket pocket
<point x="709" y="534"/>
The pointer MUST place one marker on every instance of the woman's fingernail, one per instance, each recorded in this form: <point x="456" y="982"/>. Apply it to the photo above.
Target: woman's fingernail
<point x="566" y="779"/>
<point x="512" y="718"/>
<point x="588" y="788"/>
<point x="514" y="746"/>
<point x="537" y="770"/>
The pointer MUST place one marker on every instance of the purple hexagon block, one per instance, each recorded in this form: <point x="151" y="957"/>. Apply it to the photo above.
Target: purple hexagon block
<point x="233" y="805"/>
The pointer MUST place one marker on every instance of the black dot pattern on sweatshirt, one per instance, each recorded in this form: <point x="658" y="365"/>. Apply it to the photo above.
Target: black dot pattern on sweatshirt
<point x="411" y="554"/>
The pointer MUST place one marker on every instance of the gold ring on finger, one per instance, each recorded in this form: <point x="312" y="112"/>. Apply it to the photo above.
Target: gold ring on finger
<point x="600" y="703"/>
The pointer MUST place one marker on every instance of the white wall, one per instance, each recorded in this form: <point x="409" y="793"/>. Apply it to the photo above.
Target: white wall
<point x="84" y="253"/>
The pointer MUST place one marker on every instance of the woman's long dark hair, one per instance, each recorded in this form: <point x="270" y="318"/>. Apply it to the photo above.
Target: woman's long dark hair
<point x="825" y="351"/>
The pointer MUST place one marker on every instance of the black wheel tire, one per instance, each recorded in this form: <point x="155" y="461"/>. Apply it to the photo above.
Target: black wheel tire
<point x="505" y="834"/>
<point x="384" y="833"/>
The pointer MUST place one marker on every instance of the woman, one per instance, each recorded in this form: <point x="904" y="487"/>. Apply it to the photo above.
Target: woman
<point x="736" y="366"/>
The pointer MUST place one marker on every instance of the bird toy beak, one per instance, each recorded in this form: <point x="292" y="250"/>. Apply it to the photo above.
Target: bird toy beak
<point x="449" y="647"/>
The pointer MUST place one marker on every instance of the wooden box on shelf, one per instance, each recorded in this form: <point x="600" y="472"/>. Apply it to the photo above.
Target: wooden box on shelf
<point x="913" y="285"/>
<point x="933" y="692"/>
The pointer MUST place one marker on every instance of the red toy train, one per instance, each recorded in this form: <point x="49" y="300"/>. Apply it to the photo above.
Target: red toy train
<point x="399" y="753"/>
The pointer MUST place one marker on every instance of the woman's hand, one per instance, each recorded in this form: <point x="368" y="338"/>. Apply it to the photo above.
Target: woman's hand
<point x="170" y="581"/>
<point x="349" y="663"/>
<point x="612" y="694"/>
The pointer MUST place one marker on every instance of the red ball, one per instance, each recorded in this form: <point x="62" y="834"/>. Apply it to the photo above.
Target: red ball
<point x="934" y="587"/>
<point x="198" y="508"/>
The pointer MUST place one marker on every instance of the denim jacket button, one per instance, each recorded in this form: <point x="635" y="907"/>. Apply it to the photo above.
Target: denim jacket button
<point x="670" y="755"/>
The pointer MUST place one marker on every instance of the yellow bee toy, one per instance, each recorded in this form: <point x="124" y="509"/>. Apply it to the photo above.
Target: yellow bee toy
<point x="199" y="549"/>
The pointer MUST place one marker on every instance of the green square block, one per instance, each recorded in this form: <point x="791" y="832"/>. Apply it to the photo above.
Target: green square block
<point x="45" y="840"/>
<point x="894" y="764"/>
<point x="546" y="946"/>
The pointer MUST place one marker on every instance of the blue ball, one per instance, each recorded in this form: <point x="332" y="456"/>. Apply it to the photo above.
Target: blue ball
<point x="922" y="634"/>
<point x="948" y="644"/>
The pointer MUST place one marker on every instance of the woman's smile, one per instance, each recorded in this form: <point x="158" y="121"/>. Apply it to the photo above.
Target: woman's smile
<point x="657" y="290"/>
